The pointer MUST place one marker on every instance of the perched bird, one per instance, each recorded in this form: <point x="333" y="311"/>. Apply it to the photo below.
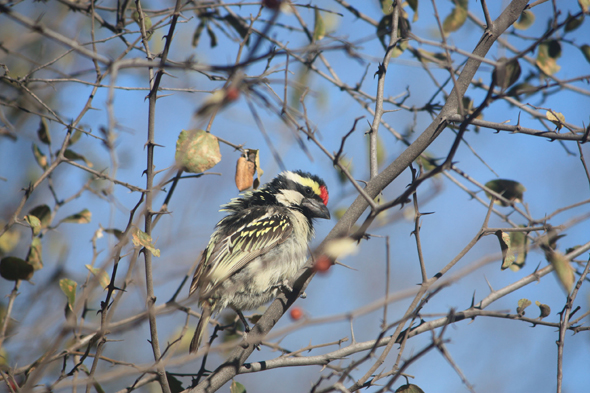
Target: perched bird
<point x="259" y="246"/>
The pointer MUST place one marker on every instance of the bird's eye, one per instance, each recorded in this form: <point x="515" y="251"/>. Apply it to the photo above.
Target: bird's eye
<point x="308" y="191"/>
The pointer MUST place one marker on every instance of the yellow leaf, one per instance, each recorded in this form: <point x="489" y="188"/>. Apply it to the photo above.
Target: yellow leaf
<point x="556" y="118"/>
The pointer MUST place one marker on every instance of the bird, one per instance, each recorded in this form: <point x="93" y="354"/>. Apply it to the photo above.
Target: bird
<point x="258" y="246"/>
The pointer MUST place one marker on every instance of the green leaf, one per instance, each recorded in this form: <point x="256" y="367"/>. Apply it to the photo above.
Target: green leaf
<point x="527" y="18"/>
<point x="237" y="387"/>
<point x="544" y="309"/>
<point x="175" y="384"/>
<point x="524" y="88"/>
<point x="197" y="151"/>
<point x="384" y="29"/>
<point x="140" y="238"/>
<point x="43" y="213"/>
<point x="455" y="19"/>
<point x="409" y="388"/>
<point x="71" y="155"/>
<point x="34" y="222"/>
<point x="522" y="304"/>
<point x="563" y="269"/>
<point x="34" y="256"/>
<point x="43" y="132"/>
<point x="518" y="246"/>
<point x="507" y="258"/>
<point x="574" y="23"/>
<point x="13" y="269"/>
<point x="212" y="37"/>
<point x="40" y="158"/>
<point x="414" y="6"/>
<point x="506" y="73"/>
<point x="9" y="240"/>
<point x="386" y="6"/>
<point x="116" y="232"/>
<point x="68" y="287"/>
<point x="82" y="217"/>
<point x="239" y="26"/>
<point x="319" y="28"/>
<point x="198" y="32"/>
<point x="346" y="163"/>
<point x="75" y="137"/>
<point x="427" y="160"/>
<point x="586" y="52"/>
<point x="103" y="278"/>
<point x="399" y="48"/>
<point x="509" y="189"/>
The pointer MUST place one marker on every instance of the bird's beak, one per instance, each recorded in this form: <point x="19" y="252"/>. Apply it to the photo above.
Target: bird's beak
<point x="316" y="208"/>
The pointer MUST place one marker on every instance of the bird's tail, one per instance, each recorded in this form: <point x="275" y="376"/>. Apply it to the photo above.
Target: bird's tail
<point x="201" y="329"/>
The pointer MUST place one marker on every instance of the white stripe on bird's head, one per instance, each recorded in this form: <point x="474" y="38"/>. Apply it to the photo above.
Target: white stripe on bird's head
<point x="305" y="181"/>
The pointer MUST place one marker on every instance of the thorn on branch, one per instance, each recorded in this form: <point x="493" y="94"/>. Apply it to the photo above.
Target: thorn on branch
<point x="380" y="70"/>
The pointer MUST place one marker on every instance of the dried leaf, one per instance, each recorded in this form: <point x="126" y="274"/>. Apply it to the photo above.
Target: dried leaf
<point x="197" y="151"/>
<point x="507" y="257"/>
<point x="140" y="238"/>
<point x="244" y="173"/>
<point x="547" y="55"/>
<point x="522" y="304"/>
<point x="544" y="309"/>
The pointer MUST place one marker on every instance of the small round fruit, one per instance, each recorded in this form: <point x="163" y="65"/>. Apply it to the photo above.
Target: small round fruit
<point x="296" y="313"/>
<point x="322" y="264"/>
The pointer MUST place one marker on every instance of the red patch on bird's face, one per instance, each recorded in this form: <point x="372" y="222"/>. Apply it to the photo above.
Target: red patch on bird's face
<point x="324" y="194"/>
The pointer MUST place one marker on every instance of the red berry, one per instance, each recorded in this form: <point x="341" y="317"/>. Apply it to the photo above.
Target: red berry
<point x="232" y="94"/>
<point x="322" y="264"/>
<point x="296" y="313"/>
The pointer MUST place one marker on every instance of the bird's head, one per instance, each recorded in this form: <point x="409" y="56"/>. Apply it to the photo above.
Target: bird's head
<point x="301" y="190"/>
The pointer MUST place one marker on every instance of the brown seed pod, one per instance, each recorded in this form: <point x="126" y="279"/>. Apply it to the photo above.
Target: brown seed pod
<point x="244" y="173"/>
